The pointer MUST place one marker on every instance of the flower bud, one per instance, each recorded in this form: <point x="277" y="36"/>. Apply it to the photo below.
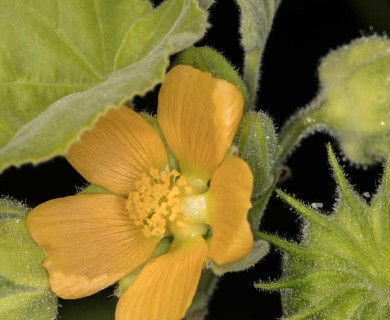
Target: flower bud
<point x="258" y="145"/>
<point x="355" y="82"/>
<point x="24" y="284"/>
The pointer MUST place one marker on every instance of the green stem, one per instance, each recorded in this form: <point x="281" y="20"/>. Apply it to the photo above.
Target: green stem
<point x="252" y="75"/>
<point x="301" y="124"/>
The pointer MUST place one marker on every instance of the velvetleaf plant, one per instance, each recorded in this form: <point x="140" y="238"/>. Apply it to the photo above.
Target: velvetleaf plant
<point x="68" y="67"/>
<point x="104" y="85"/>
<point x="149" y="202"/>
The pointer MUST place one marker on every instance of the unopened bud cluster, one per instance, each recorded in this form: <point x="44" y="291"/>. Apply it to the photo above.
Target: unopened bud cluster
<point x="355" y="81"/>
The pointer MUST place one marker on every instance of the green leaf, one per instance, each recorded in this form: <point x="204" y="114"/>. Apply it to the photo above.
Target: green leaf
<point x="64" y="63"/>
<point x="20" y="255"/>
<point x="24" y="285"/>
<point x="340" y="268"/>
<point x="27" y="304"/>
<point x="256" y="21"/>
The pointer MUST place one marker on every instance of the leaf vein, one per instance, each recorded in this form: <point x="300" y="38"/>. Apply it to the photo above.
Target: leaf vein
<point x="64" y="40"/>
<point x="101" y="35"/>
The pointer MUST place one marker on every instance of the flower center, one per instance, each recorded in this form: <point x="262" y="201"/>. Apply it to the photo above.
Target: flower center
<point x="156" y="202"/>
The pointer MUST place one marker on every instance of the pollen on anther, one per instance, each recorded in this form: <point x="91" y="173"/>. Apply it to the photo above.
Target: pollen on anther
<point x="156" y="201"/>
<point x="181" y="181"/>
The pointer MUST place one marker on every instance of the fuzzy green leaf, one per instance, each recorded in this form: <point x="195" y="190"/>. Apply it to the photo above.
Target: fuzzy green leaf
<point x="256" y="21"/>
<point x="64" y="63"/>
<point x="340" y="269"/>
<point x="28" y="304"/>
<point x="20" y="256"/>
<point x="24" y="285"/>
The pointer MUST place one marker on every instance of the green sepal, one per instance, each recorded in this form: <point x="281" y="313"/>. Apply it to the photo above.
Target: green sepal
<point x="199" y="306"/>
<point x="259" y="250"/>
<point x="340" y="268"/>
<point x="257" y="144"/>
<point x="94" y="189"/>
<point x="24" y="284"/>
<point x="209" y="60"/>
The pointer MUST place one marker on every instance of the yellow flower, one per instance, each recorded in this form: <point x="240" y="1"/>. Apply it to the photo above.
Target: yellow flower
<point x="94" y="240"/>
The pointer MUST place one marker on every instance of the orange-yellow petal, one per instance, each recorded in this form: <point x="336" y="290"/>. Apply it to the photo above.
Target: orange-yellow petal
<point x="165" y="287"/>
<point x="90" y="242"/>
<point x="229" y="196"/>
<point x="198" y="115"/>
<point x="117" y="149"/>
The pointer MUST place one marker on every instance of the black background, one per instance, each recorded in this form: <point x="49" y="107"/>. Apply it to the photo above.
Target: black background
<point x="303" y="32"/>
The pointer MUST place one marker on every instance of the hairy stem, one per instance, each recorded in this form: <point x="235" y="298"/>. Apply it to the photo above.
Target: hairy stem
<point x="303" y="123"/>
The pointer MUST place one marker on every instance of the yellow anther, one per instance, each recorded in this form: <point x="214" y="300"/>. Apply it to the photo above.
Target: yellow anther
<point x="155" y="201"/>
<point x="174" y="192"/>
<point x="164" y="177"/>
<point x="172" y="217"/>
<point x="181" y="182"/>
<point x="154" y="173"/>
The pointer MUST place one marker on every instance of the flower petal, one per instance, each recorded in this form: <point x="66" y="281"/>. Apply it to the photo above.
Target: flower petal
<point x="90" y="242"/>
<point x="198" y="115"/>
<point x="117" y="149"/>
<point x="229" y="196"/>
<point x="166" y="285"/>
